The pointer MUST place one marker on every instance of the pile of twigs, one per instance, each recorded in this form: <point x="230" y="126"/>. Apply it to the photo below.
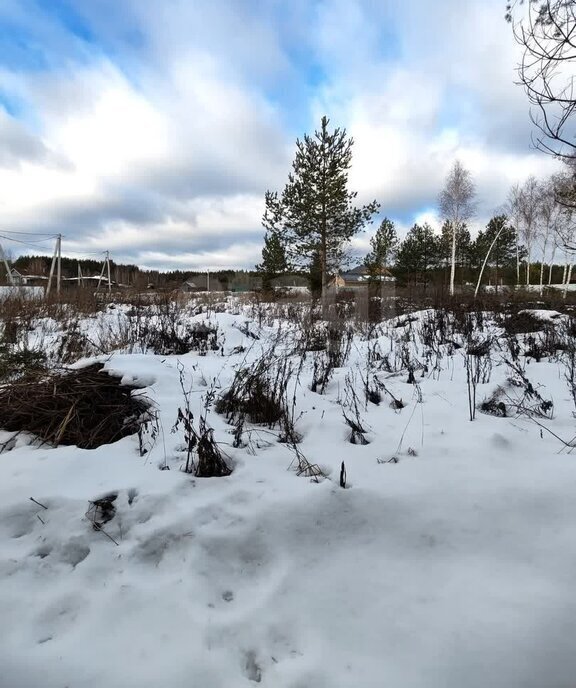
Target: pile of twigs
<point x="85" y="407"/>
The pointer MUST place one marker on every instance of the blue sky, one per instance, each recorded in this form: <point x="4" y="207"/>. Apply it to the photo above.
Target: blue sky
<point x="152" y="129"/>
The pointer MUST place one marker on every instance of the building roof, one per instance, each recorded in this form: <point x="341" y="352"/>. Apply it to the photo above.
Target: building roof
<point x="354" y="277"/>
<point x="202" y="283"/>
<point x="361" y="274"/>
<point x="358" y="270"/>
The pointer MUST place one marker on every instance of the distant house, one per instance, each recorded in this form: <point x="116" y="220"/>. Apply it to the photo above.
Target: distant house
<point x="200" y="283"/>
<point x="17" y="278"/>
<point x="29" y="285"/>
<point x="359" y="278"/>
<point x="35" y="280"/>
<point x="89" y="281"/>
<point x="191" y="286"/>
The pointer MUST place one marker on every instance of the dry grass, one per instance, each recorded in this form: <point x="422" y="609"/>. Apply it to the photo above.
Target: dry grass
<point x="86" y="407"/>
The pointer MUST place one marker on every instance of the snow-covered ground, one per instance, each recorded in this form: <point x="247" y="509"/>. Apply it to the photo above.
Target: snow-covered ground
<point x="452" y="567"/>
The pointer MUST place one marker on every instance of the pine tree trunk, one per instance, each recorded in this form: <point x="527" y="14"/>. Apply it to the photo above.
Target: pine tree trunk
<point x="517" y="260"/>
<point x="323" y="270"/>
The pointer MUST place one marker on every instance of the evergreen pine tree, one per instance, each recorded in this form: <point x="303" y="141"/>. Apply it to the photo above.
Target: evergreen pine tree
<point x="383" y="245"/>
<point x="274" y="260"/>
<point x="315" y="213"/>
<point x="418" y="253"/>
<point x="315" y="275"/>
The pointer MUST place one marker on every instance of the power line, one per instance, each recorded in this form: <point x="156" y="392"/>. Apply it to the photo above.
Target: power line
<point x="50" y="238"/>
<point x="86" y="253"/>
<point x="25" y="243"/>
<point x="14" y="231"/>
<point x="56" y="263"/>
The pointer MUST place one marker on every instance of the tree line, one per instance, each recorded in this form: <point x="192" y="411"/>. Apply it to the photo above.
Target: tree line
<point x="309" y="224"/>
<point x="130" y="275"/>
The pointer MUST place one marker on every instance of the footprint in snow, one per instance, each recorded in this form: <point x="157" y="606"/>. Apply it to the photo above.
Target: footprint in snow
<point x="72" y="552"/>
<point x="19" y="521"/>
<point x="252" y="670"/>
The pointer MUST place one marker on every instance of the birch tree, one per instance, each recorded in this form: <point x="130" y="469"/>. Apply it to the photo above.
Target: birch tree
<point x="552" y="217"/>
<point x="457" y="205"/>
<point x="512" y="208"/>
<point x="529" y="207"/>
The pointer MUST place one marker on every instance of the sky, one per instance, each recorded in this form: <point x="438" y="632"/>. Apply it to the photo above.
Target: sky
<point x="153" y="128"/>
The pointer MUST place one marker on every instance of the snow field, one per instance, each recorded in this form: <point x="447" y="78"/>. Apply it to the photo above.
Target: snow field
<point x="453" y="567"/>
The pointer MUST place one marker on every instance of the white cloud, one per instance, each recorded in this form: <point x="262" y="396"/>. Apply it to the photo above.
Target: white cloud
<point x="451" y="95"/>
<point x="163" y="152"/>
<point x="191" y="156"/>
<point x="232" y="256"/>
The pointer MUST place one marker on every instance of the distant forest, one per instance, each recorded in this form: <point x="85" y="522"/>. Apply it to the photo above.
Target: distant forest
<point x="129" y="275"/>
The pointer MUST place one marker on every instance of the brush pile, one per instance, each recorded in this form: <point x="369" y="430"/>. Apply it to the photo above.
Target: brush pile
<point x="85" y="407"/>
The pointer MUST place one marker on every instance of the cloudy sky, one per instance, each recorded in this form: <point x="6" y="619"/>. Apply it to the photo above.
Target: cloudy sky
<point x="152" y="128"/>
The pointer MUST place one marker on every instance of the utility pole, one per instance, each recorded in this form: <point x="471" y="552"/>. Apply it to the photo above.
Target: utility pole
<point x="9" y="275"/>
<point x="207" y="280"/>
<point x="108" y="264"/>
<point x="102" y="271"/>
<point x="59" y="266"/>
<point x="105" y="268"/>
<point x="52" y="266"/>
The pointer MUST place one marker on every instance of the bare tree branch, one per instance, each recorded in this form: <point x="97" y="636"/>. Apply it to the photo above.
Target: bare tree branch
<point x="546" y="30"/>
